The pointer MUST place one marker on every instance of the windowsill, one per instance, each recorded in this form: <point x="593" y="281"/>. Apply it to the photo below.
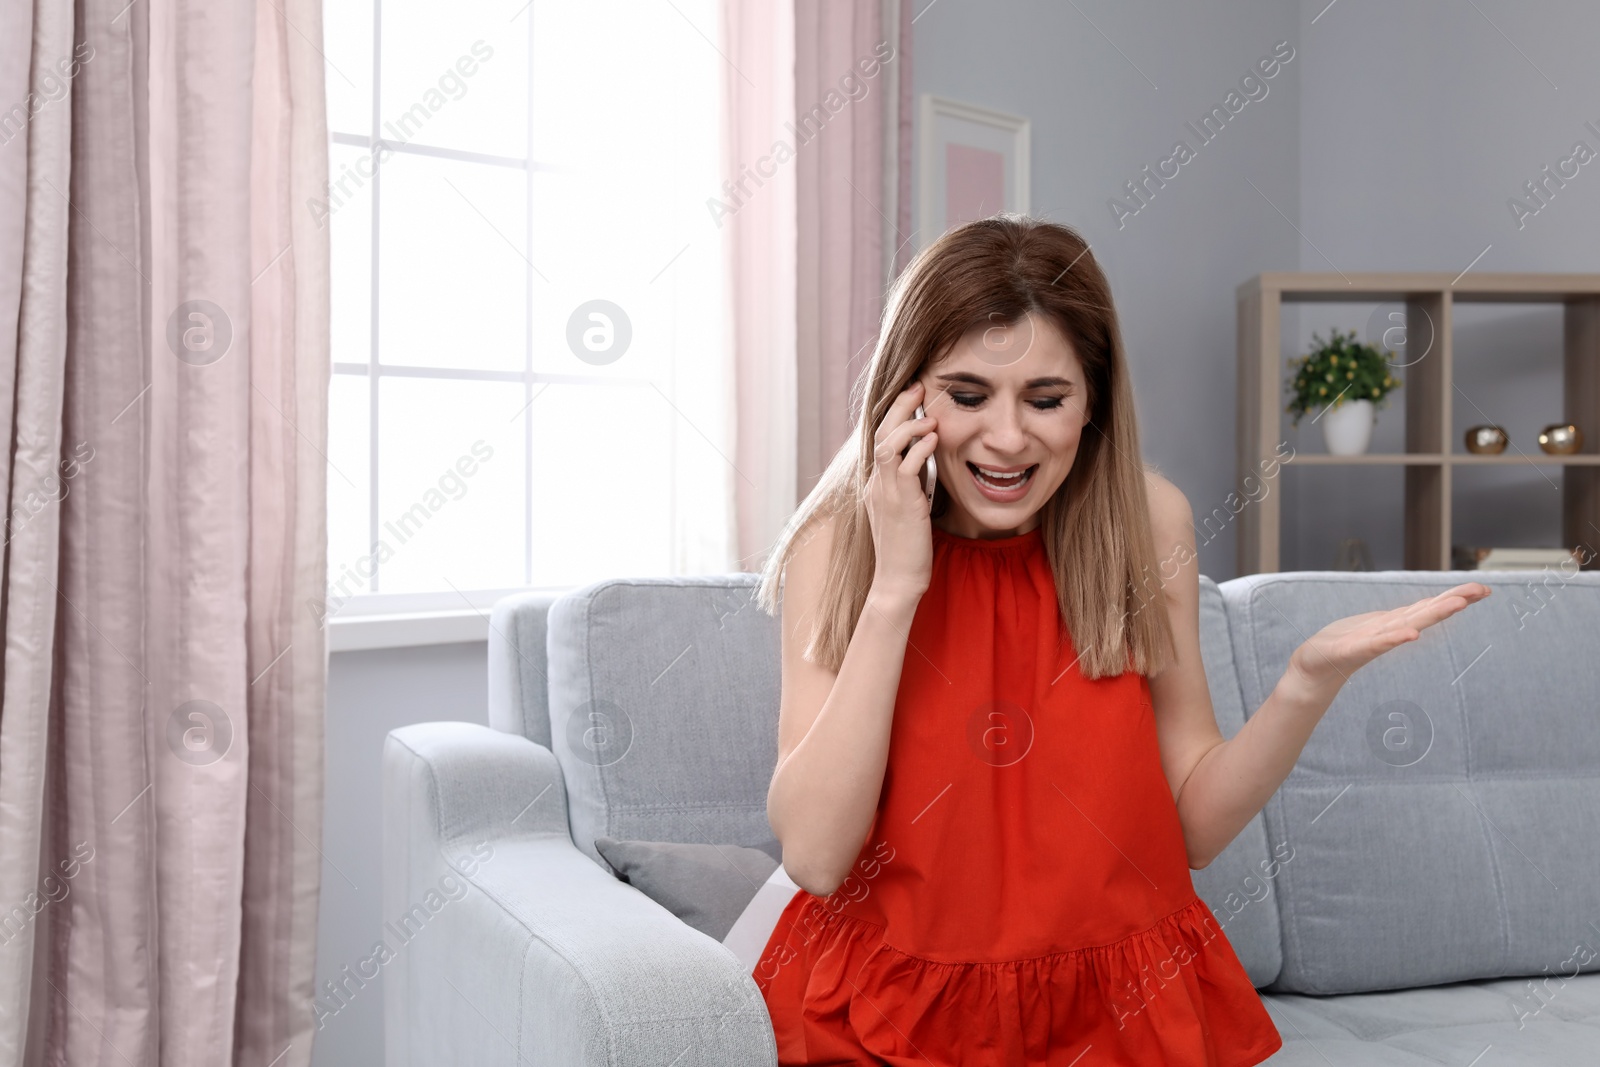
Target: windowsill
<point x="407" y="629"/>
<point x="409" y="620"/>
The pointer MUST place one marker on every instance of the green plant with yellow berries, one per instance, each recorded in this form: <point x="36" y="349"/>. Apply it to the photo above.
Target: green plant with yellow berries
<point x="1338" y="370"/>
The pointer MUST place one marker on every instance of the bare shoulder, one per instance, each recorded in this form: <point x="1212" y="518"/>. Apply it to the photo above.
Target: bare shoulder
<point x="1170" y="514"/>
<point x="807" y="565"/>
<point x="1172" y="536"/>
<point x="805" y="574"/>
<point x="804" y="684"/>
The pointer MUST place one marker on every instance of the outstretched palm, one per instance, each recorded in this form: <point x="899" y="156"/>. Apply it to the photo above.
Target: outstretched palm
<point x="1335" y="652"/>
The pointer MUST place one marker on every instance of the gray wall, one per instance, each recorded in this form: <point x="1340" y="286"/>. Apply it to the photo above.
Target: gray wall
<point x="1392" y="140"/>
<point x="1418" y="123"/>
<point x="1098" y="117"/>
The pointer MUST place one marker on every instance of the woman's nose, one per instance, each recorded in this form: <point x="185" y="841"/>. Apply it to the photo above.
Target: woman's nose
<point x="1003" y="432"/>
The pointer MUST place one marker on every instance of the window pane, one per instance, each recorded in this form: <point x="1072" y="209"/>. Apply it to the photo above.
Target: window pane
<point x="589" y="249"/>
<point x="450" y="501"/>
<point x="630" y="106"/>
<point x="347" y="44"/>
<point x="605" y="225"/>
<point x="593" y="102"/>
<point x="602" y="456"/>
<point x="626" y="292"/>
<point x="623" y="247"/>
<point x="352" y="178"/>
<point x="455" y="75"/>
<point x="350" y="238"/>
<point x="349" y="493"/>
<point x="452" y="278"/>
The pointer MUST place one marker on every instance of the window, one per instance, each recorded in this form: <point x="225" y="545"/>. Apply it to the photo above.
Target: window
<point x="530" y="372"/>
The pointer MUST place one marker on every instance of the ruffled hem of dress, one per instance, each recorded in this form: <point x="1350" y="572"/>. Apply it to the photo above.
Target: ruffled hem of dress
<point x="1174" y="993"/>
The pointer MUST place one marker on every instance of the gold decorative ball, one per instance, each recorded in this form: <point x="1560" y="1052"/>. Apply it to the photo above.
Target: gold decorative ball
<point x="1486" y="440"/>
<point x="1561" y="439"/>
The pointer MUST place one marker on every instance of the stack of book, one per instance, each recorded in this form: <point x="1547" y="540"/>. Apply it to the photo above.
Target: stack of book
<point x="1476" y="558"/>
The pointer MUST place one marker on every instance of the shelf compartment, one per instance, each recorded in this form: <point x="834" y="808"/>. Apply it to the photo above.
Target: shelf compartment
<point x="1430" y="434"/>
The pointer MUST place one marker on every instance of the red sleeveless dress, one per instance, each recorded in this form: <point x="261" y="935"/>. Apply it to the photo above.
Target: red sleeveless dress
<point x="1023" y="896"/>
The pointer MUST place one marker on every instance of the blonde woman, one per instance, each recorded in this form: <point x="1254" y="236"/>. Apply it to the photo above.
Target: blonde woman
<point x="998" y="760"/>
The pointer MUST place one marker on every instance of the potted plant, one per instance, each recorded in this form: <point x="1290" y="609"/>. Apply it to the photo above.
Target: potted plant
<point x="1350" y="379"/>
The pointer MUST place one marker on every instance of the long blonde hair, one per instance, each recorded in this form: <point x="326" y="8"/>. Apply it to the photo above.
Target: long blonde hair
<point x="1095" y="527"/>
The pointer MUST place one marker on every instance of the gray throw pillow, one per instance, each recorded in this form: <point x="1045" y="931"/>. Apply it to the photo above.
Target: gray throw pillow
<point x="707" y="886"/>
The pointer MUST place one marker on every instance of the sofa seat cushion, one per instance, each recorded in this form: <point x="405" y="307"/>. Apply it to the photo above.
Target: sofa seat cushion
<point x="1520" y="1022"/>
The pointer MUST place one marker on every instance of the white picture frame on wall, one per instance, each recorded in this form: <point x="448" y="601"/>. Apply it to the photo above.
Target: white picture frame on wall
<point x="969" y="156"/>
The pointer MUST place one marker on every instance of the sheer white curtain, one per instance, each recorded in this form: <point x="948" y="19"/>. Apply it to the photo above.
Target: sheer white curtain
<point x="852" y="85"/>
<point x="759" y="224"/>
<point x="626" y="142"/>
<point x="818" y="162"/>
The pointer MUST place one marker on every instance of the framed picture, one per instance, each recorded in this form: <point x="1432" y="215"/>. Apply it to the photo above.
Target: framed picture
<point x="973" y="162"/>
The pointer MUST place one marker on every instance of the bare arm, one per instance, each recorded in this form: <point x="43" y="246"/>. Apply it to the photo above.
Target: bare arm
<point x="1233" y="780"/>
<point x="1241" y="775"/>
<point x="833" y="730"/>
<point x="1219" y="785"/>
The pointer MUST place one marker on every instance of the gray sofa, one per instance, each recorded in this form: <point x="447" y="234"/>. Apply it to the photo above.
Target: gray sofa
<point x="1423" y="889"/>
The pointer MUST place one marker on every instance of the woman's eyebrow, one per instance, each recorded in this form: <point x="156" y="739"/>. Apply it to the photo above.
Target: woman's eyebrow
<point x="976" y="379"/>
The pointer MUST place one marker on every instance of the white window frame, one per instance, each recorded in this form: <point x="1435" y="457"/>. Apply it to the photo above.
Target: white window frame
<point x="375" y="619"/>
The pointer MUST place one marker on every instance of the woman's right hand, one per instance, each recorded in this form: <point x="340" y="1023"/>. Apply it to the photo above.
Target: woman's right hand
<point x="898" y="508"/>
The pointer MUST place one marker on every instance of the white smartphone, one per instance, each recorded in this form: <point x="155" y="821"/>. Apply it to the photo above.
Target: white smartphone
<point x="930" y="470"/>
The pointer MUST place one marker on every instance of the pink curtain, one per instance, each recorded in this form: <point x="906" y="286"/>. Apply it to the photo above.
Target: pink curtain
<point x="853" y="204"/>
<point x="817" y="221"/>
<point x="163" y="291"/>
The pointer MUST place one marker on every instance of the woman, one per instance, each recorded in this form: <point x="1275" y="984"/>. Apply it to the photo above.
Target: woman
<point x="998" y="760"/>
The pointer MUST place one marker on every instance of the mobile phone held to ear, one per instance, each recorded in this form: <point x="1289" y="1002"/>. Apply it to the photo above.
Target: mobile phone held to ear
<point x="930" y="469"/>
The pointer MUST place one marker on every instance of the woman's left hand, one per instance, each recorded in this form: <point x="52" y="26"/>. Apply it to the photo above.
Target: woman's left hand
<point x="1335" y="652"/>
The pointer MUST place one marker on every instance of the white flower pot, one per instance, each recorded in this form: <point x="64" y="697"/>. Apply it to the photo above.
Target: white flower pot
<point x="1348" y="428"/>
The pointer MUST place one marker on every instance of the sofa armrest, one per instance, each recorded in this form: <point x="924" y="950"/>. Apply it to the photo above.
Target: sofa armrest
<point x="509" y="946"/>
<point x="473" y="781"/>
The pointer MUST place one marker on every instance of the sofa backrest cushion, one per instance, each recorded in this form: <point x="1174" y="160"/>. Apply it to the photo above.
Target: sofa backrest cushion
<point x="1238" y="883"/>
<point x="518" y="665"/>
<point x="663" y="697"/>
<point x="1444" y="814"/>
<point x="663" y="706"/>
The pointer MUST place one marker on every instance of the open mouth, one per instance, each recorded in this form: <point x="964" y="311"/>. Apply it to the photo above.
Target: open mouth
<point x="1001" y="483"/>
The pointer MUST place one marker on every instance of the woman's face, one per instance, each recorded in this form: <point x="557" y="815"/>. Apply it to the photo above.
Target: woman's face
<point x="1008" y="399"/>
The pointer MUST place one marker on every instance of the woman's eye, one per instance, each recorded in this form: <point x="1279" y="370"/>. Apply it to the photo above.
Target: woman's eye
<point x="972" y="400"/>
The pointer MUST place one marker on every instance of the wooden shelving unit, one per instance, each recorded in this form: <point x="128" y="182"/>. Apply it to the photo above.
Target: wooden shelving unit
<point x="1432" y="439"/>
